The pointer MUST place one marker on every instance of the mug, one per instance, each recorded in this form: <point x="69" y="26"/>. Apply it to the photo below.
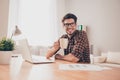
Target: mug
<point x="63" y="43"/>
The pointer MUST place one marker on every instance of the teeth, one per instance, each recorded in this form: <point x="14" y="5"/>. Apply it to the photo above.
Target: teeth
<point x="70" y="30"/>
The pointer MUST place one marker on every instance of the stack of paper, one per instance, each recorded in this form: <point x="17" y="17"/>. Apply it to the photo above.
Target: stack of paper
<point x="91" y="67"/>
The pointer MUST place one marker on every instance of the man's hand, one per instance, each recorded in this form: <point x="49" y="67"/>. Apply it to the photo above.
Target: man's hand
<point x="49" y="54"/>
<point x="53" y="50"/>
<point x="59" y="56"/>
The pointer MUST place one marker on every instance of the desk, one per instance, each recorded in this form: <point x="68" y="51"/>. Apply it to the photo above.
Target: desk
<point x="21" y="70"/>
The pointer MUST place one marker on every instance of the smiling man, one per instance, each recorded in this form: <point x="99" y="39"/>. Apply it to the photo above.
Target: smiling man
<point x="78" y="44"/>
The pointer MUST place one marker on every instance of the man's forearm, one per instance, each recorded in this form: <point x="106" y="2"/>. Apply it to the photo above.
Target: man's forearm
<point x="51" y="52"/>
<point x="71" y="58"/>
<point x="68" y="57"/>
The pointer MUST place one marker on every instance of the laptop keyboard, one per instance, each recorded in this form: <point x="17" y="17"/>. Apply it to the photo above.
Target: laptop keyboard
<point x="41" y="59"/>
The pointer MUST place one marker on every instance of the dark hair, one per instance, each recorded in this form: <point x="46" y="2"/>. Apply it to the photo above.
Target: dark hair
<point x="68" y="16"/>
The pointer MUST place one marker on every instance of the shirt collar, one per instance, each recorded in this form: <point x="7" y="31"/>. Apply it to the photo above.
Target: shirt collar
<point x="73" y="34"/>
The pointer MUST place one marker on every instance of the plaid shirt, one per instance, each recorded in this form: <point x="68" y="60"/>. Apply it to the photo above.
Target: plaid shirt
<point x="78" y="46"/>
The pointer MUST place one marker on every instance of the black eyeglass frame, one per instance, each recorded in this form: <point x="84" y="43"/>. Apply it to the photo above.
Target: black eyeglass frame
<point x="69" y="24"/>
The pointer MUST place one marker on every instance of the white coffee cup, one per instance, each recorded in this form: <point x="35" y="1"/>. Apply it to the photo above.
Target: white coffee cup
<point x="63" y="43"/>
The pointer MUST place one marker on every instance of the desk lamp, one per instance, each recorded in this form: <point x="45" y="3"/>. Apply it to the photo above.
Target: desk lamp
<point x="16" y="32"/>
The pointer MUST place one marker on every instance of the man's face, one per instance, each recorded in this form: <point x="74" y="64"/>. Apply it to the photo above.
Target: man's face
<point x="69" y="25"/>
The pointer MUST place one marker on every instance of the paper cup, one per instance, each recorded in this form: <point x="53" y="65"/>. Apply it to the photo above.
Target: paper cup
<point x="63" y="43"/>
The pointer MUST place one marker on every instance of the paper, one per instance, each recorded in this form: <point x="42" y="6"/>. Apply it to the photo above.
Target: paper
<point x="90" y="67"/>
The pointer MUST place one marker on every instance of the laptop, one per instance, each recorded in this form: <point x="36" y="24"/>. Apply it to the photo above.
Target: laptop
<point x="27" y="55"/>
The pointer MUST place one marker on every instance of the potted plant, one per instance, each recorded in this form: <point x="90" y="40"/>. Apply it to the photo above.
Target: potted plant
<point x="6" y="47"/>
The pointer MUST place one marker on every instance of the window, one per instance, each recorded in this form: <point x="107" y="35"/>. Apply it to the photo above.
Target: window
<point x="37" y="20"/>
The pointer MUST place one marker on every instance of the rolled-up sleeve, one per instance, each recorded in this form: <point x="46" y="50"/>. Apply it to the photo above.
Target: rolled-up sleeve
<point x="81" y="46"/>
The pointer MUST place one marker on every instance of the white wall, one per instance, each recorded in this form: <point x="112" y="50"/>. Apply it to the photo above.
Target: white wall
<point x="60" y="13"/>
<point x="102" y="18"/>
<point x="4" y="4"/>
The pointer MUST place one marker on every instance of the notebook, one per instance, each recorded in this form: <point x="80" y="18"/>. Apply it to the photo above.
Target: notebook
<point x="27" y="55"/>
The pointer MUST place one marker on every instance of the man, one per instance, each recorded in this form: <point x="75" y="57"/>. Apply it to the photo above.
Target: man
<point x="78" y="45"/>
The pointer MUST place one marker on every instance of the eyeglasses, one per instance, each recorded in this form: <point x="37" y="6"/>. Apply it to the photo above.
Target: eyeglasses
<point x="69" y="24"/>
